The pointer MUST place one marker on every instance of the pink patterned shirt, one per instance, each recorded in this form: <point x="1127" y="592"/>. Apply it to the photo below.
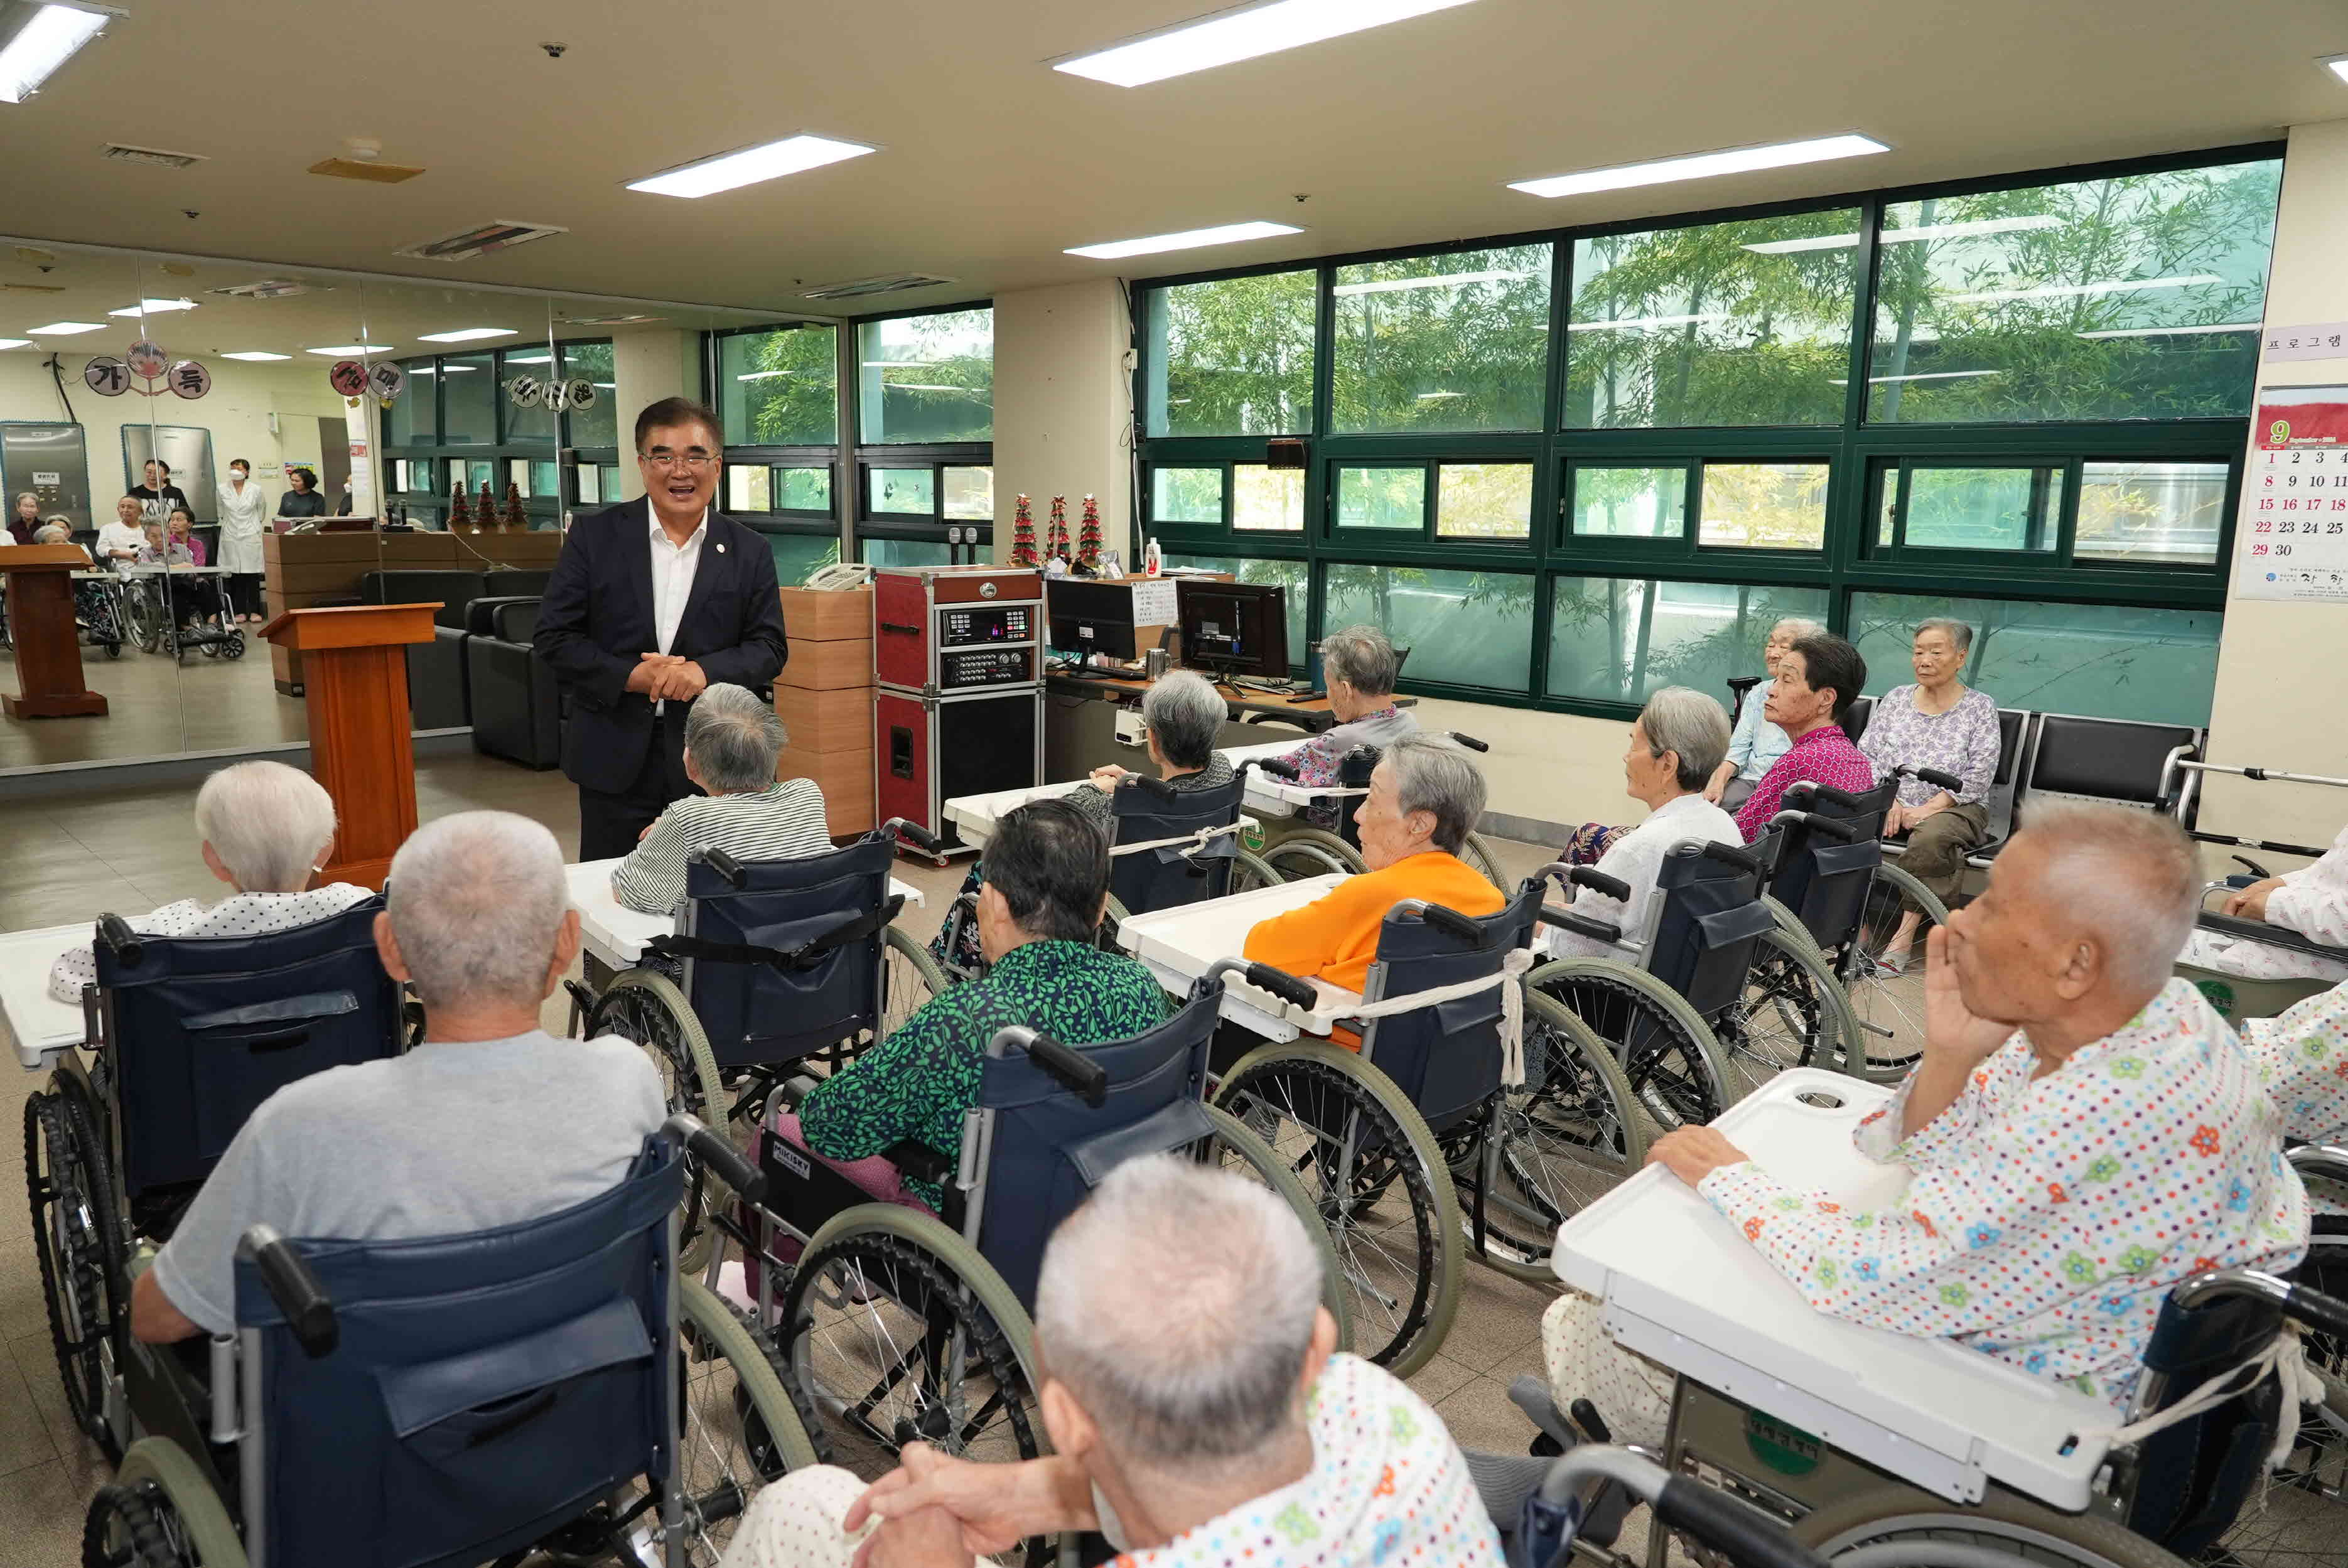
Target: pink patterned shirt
<point x="1824" y="757"/>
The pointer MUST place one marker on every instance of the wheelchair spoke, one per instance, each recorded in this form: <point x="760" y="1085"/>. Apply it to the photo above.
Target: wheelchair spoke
<point x="1775" y="1023"/>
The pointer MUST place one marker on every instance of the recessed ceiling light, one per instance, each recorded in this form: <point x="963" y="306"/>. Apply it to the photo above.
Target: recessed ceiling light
<point x="257" y="355"/>
<point x="1701" y="166"/>
<point x="1239" y="35"/>
<point x="2336" y="64"/>
<point x="154" y="307"/>
<point x="15" y="343"/>
<point x="466" y="334"/>
<point x="1188" y="239"/>
<point x="351" y="348"/>
<point x="1922" y="375"/>
<point x="1635" y="323"/>
<point x="67" y="329"/>
<point x="926" y="386"/>
<point x="730" y="171"/>
<point x="49" y="37"/>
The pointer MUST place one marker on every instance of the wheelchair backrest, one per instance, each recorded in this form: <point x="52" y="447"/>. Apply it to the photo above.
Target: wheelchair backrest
<point x="1047" y="1149"/>
<point x="2116" y="760"/>
<point x="2014" y="738"/>
<point x="484" y="1388"/>
<point x="1711" y="922"/>
<point x="1823" y="880"/>
<point x="2193" y="1477"/>
<point x="201" y="1030"/>
<point x="1353" y="771"/>
<point x="757" y="1015"/>
<point x="1445" y="1057"/>
<point x="1172" y="875"/>
<point x="1855" y="717"/>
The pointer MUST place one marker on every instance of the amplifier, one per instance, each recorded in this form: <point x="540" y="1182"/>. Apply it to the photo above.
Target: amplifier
<point x="959" y="668"/>
<point x="919" y="613"/>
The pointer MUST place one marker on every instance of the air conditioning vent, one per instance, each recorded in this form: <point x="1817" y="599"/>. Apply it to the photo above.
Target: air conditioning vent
<point x="865" y="288"/>
<point x="365" y="169"/>
<point x="267" y="288"/>
<point x="502" y="235"/>
<point x="153" y="156"/>
<point x="609" y="321"/>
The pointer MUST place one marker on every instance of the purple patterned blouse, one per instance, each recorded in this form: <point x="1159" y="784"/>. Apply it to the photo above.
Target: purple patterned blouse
<point x="1963" y="740"/>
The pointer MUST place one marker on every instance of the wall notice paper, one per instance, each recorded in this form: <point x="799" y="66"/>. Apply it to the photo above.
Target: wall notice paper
<point x="2323" y="339"/>
<point x="2291" y="540"/>
<point x="1154" y="604"/>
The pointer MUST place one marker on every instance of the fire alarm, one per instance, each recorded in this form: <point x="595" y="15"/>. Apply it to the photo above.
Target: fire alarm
<point x="1284" y="451"/>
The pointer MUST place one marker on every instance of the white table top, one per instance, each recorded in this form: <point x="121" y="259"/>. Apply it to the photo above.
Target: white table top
<point x="616" y="934"/>
<point x="37" y="1026"/>
<point x="1179" y="944"/>
<point x="1682" y="1285"/>
<point x="976" y="814"/>
<point x="1267" y="794"/>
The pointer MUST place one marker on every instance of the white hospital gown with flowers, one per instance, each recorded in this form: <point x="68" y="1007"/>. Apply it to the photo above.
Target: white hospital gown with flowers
<point x="2301" y="1056"/>
<point x="2046" y="1219"/>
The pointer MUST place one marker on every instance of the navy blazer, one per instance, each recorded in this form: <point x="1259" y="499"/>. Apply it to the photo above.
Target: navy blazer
<point x="596" y="622"/>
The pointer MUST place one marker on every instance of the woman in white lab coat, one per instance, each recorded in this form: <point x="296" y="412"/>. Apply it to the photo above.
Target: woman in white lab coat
<point x="243" y="515"/>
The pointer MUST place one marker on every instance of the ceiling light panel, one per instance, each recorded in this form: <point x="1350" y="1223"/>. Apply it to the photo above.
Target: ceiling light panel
<point x="467" y="335"/>
<point x="49" y="37"/>
<point x="1244" y="33"/>
<point x="751" y="165"/>
<point x="351" y="348"/>
<point x="1188" y="239"/>
<point x="1701" y="166"/>
<point x="258" y="355"/>
<point x="15" y="343"/>
<point x="2336" y="64"/>
<point x="2075" y="291"/>
<point x="154" y="308"/>
<point x="2168" y="332"/>
<point x="1447" y="280"/>
<point x="67" y="329"/>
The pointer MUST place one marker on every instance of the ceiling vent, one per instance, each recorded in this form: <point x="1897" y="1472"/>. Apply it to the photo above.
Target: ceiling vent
<point x="609" y="321"/>
<point x="479" y="242"/>
<point x="865" y="288"/>
<point x="154" y="157"/>
<point x="267" y="288"/>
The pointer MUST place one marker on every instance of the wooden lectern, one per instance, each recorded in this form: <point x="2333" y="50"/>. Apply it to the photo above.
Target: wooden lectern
<point x="356" y="683"/>
<point x="41" y="624"/>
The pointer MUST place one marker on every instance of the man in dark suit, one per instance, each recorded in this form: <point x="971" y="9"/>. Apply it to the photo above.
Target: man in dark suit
<point x="650" y="601"/>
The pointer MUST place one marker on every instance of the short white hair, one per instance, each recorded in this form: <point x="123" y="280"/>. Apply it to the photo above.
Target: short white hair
<point x="735" y="739"/>
<point x="476" y="901"/>
<point x="1692" y="723"/>
<point x="269" y="823"/>
<point x="1177" y="1305"/>
<point x="1435" y="773"/>
<point x="1802" y="624"/>
<point x="2128" y="877"/>
<point x="1185" y="714"/>
<point x="53" y="533"/>
<point x="1362" y="658"/>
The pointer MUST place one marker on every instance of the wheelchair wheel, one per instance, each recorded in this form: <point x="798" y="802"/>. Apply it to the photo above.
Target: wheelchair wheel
<point x="910" y="977"/>
<point x="77" y="1241"/>
<point x="645" y="1006"/>
<point x="1888" y="1004"/>
<point x="1242" y="1152"/>
<point x="1250" y="873"/>
<point x="1478" y="853"/>
<point x="1666" y="1050"/>
<point x="2001" y="1521"/>
<point x="160" y="1513"/>
<point x="235" y="647"/>
<point x="741" y="1428"/>
<point x="2299" y="1509"/>
<point x="1792" y="1013"/>
<point x="1311" y="852"/>
<point x="1567" y="1138"/>
<point x="1377" y="1177"/>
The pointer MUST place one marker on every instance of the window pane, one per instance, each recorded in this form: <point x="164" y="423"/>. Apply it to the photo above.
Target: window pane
<point x="2168" y="512"/>
<point x="748" y="487"/>
<point x="1233" y="357"/>
<point x="1382" y="498"/>
<point x="1725" y="323"/>
<point x="1763" y="506"/>
<point x="599" y="426"/>
<point x="1267" y="499"/>
<point x="1292" y="577"/>
<point x="1185" y="494"/>
<point x="928" y="378"/>
<point x="414" y="419"/>
<point x="797" y="555"/>
<point x="2138" y="297"/>
<point x="609" y="472"/>
<point x="1472" y="628"/>
<point x="1976" y="508"/>
<point x="1630" y="503"/>
<point x="542" y="480"/>
<point x="970" y="492"/>
<point x="901" y="552"/>
<point x="912" y="491"/>
<point x="469" y="396"/>
<point x="589" y="479"/>
<point x="802" y="489"/>
<point x="1620" y="639"/>
<point x="535" y="423"/>
<point x="1484" y="500"/>
<point x="2106" y="661"/>
<point x="1458" y="342"/>
<point x="779" y="388"/>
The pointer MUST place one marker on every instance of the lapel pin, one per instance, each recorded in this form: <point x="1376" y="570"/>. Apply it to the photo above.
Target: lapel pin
<point x="721" y="550"/>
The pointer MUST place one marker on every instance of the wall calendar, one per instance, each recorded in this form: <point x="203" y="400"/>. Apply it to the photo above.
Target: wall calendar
<point x="2290" y="538"/>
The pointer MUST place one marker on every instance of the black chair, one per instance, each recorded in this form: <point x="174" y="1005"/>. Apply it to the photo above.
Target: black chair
<point x="2125" y="761"/>
<point x="517" y="707"/>
<point x="437" y="696"/>
<point x="515" y="584"/>
<point x="1854" y="718"/>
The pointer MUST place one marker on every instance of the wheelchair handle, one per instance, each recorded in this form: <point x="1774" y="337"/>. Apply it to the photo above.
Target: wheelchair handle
<point x="1948" y="781"/>
<point x="1833" y="827"/>
<point x="912" y="833"/>
<point x="723" y="864"/>
<point x="309" y="1310"/>
<point x="1165" y="792"/>
<point x="1296" y="992"/>
<point x="1730" y="1525"/>
<point x="1451" y="920"/>
<point x="1730" y="855"/>
<point x="1278" y="768"/>
<point x="1581" y="925"/>
<point x="120" y="940"/>
<point x="1834" y="797"/>
<point x="1597" y="881"/>
<point x="2326" y="1314"/>
<point x="1470" y="741"/>
<point x="1074" y="1068"/>
<point x="717" y="1155"/>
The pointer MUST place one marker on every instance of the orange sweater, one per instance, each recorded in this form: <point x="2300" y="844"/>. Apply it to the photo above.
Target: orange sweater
<point x="1336" y="937"/>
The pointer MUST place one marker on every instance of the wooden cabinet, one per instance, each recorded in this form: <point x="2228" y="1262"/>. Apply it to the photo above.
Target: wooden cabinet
<point x="824" y="697"/>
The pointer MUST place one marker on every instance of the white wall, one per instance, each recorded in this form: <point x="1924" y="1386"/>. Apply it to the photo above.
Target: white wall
<point x="647" y="367"/>
<point x="1062" y="413"/>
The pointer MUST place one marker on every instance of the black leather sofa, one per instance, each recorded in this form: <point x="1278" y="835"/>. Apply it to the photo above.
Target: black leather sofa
<point x="437" y="696"/>
<point x="516" y="708"/>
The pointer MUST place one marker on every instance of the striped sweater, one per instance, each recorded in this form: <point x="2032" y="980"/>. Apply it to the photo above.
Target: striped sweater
<point x="781" y="822"/>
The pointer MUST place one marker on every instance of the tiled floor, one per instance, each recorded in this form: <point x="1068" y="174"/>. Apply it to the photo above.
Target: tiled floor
<point x="155" y="709"/>
<point x="69" y="859"/>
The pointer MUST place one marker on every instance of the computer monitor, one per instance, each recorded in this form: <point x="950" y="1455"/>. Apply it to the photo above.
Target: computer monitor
<point x="1091" y="617"/>
<point x="1235" y="628"/>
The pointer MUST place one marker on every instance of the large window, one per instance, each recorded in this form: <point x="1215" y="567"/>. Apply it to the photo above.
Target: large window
<point x="469" y="399"/>
<point x="780" y="387"/>
<point x="927" y="379"/>
<point x="2106" y="661"/>
<point x="1231" y="357"/>
<point x="1452" y="342"/>
<point x="598" y="425"/>
<point x="1462" y="628"/>
<point x="1621" y="639"/>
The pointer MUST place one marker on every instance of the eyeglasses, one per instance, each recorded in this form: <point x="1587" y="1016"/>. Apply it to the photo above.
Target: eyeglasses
<point x="697" y="461"/>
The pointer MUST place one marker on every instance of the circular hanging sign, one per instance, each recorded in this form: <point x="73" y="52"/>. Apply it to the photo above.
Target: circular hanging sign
<point x="524" y="391"/>
<point x="107" y="377"/>
<point x="348" y="376"/>
<point x="387" y="380"/>
<point x="579" y="393"/>
<point x="190" y="379"/>
<point x="147" y="359"/>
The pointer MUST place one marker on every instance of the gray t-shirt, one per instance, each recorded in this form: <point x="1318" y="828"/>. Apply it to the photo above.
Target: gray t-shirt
<point x="450" y="1138"/>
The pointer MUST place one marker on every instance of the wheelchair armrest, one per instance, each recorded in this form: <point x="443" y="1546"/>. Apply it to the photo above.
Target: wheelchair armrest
<point x="1597" y="881"/>
<point x="717" y="1155"/>
<point x="795" y="1088"/>
<point x="1581" y="925"/>
<point x="2240" y="929"/>
<point x="309" y="1310"/>
<point x="115" y="933"/>
<point x="2328" y="1161"/>
<point x="917" y="1160"/>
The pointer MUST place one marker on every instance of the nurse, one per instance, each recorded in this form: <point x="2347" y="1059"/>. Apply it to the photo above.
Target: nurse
<point x="244" y="514"/>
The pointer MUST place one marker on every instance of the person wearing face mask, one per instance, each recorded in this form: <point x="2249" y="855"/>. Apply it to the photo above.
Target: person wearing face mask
<point x="244" y="516"/>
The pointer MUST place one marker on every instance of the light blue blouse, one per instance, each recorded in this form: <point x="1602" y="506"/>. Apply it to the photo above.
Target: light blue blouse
<point x="1756" y="744"/>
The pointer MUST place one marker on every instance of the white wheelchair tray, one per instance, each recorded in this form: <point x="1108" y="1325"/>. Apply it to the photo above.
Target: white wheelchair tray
<point x="1682" y="1287"/>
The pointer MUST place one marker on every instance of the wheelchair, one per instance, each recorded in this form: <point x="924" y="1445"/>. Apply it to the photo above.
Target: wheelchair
<point x="192" y="1034"/>
<point x="552" y="1385"/>
<point x="1387" y="1138"/>
<point x="98" y="605"/>
<point x="152" y="602"/>
<point x="772" y="963"/>
<point x="1307" y="851"/>
<point x="897" y="1325"/>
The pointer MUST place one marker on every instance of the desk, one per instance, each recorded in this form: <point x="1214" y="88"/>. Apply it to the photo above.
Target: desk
<point x="1681" y="1285"/>
<point x="1179" y="944"/>
<point x="975" y="815"/>
<point x="1079" y="721"/>
<point x="39" y="1026"/>
<point x="615" y="935"/>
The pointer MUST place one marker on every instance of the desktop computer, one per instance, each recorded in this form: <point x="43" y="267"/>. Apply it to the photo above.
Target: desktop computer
<point x="1089" y="617"/>
<point x="1237" y="630"/>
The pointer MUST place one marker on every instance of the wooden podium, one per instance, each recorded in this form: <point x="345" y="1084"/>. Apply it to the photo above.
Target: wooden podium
<point x="41" y="624"/>
<point x="355" y="684"/>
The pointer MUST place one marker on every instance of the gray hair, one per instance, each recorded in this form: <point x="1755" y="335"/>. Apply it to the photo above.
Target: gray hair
<point x="1960" y="636"/>
<point x="476" y="901"/>
<point x="1050" y="862"/>
<point x="735" y="739"/>
<point x="2127" y="877"/>
<point x="1362" y="658"/>
<point x="1177" y="1305"/>
<point x="1679" y="719"/>
<point x="1802" y="624"/>
<point x="53" y="533"/>
<point x="268" y="823"/>
<point x="1435" y="773"/>
<point x="1184" y="715"/>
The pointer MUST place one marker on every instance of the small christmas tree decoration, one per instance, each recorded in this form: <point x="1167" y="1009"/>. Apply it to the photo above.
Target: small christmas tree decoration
<point x="515" y="516"/>
<point x="1088" y="538"/>
<point x="460" y="512"/>
<point x="486" y="509"/>
<point x="1056" y="532"/>
<point x="1023" y="533"/>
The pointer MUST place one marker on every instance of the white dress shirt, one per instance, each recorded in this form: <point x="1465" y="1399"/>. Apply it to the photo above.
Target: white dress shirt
<point x="1637" y="857"/>
<point x="673" y="569"/>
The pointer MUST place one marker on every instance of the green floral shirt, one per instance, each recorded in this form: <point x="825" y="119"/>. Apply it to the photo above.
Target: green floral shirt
<point x="919" y="1082"/>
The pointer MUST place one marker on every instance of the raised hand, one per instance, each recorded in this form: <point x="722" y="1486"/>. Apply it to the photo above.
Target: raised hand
<point x="1952" y="1032"/>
